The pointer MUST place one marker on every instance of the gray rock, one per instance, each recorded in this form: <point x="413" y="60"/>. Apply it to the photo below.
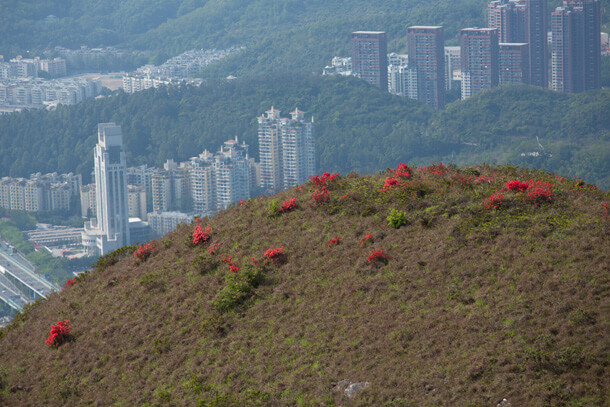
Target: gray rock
<point x="342" y="385"/>
<point x="355" y="388"/>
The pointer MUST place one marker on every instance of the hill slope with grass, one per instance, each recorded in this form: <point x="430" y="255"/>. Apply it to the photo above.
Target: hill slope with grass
<point x="424" y="286"/>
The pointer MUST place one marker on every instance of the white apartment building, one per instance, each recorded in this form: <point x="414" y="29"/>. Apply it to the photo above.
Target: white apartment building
<point x="109" y="230"/>
<point x="286" y="150"/>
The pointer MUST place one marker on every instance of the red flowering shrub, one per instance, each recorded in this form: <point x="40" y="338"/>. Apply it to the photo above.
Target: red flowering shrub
<point x="464" y="180"/>
<point x="227" y="259"/>
<point x="200" y="235"/>
<point x="434" y="169"/>
<point x="378" y="256"/>
<point x="494" y="201"/>
<point x="143" y="252"/>
<point x="59" y="334"/>
<point x="214" y="248"/>
<point x="274" y="253"/>
<point x="538" y="195"/>
<point x="70" y="282"/>
<point x="288" y="205"/>
<point x="390" y="183"/>
<point x="403" y="171"/>
<point x="366" y="239"/>
<point x="234" y="268"/>
<point x="334" y="241"/>
<point x="320" y="181"/>
<point x="517" y="186"/>
<point x="320" y="196"/>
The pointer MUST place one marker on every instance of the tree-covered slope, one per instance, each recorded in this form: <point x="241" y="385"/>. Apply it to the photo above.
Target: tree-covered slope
<point x="357" y="127"/>
<point x="495" y="285"/>
<point x="284" y="34"/>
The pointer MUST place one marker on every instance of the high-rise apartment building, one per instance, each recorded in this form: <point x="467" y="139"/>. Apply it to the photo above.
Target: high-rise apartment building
<point x="369" y="57"/>
<point x="536" y="32"/>
<point x="426" y="55"/>
<point x="231" y="174"/>
<point x="576" y="48"/>
<point x="286" y="150"/>
<point x="202" y="183"/>
<point x="509" y="17"/>
<point x="480" y="60"/>
<point x="298" y="159"/>
<point x="270" y="150"/>
<point x="453" y="66"/>
<point x="110" y="229"/>
<point x="523" y="21"/>
<point x="514" y="63"/>
<point x="221" y="179"/>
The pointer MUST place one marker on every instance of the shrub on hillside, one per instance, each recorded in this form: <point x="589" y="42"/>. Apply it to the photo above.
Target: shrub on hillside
<point x="200" y="235"/>
<point x="60" y="334"/>
<point x="239" y="286"/>
<point x="144" y="252"/>
<point x="396" y="218"/>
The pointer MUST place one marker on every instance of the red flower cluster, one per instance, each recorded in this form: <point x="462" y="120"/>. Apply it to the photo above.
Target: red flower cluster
<point x="274" y="253"/>
<point x="200" y="235"/>
<point x="390" y="183"/>
<point x="366" y="239"/>
<point x="227" y="259"/>
<point x="214" y="248"/>
<point x="378" y="255"/>
<point x="334" y="241"/>
<point x="464" y="180"/>
<point x="320" y="196"/>
<point x="403" y="171"/>
<point x="143" y="252"/>
<point x="538" y="195"/>
<point x="70" y="282"/>
<point x="517" y="186"/>
<point x="320" y="181"/>
<point x="434" y="169"/>
<point x="494" y="201"/>
<point x="234" y="268"/>
<point x="288" y="205"/>
<point x="59" y="334"/>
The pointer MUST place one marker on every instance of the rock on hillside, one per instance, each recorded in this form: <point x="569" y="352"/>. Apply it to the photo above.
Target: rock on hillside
<point x="429" y="286"/>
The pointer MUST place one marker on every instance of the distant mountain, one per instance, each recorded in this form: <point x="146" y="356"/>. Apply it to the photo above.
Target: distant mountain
<point x="418" y="286"/>
<point x="357" y="127"/>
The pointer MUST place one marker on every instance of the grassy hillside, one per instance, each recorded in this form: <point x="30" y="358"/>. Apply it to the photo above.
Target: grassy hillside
<point x="490" y="291"/>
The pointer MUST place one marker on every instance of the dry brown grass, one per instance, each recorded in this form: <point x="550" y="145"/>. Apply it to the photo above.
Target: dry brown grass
<point x="475" y="305"/>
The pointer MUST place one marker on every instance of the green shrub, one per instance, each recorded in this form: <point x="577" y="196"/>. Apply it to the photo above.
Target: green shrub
<point x="273" y="208"/>
<point x="396" y="219"/>
<point x="238" y="288"/>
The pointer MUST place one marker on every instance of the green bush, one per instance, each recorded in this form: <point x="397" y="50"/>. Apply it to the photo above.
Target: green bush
<point x="238" y="288"/>
<point x="273" y="208"/>
<point x="396" y="218"/>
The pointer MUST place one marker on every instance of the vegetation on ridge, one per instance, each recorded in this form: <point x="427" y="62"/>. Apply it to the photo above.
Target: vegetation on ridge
<point x="437" y="285"/>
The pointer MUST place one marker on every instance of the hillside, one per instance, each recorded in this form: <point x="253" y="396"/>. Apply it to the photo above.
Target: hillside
<point x="495" y="285"/>
<point x="357" y="127"/>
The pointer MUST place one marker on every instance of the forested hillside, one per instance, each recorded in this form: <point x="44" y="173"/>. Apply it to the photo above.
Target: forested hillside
<point x="357" y="127"/>
<point x="277" y="33"/>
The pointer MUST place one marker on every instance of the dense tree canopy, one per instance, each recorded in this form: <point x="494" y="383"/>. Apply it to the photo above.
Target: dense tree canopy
<point x="357" y="126"/>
